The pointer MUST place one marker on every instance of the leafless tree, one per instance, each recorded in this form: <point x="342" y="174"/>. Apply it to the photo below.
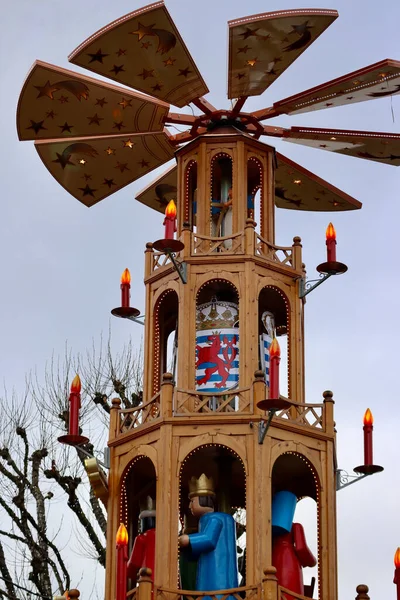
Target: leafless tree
<point x="39" y="477"/>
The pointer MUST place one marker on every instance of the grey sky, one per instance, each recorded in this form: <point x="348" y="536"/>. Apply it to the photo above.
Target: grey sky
<point x="61" y="262"/>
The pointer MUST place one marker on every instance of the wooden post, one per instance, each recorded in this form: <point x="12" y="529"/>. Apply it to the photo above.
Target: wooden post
<point x="259" y="392"/>
<point x="362" y="592"/>
<point x="148" y="259"/>
<point x="249" y="237"/>
<point x="329" y="423"/>
<point x="296" y="256"/>
<point x="74" y="594"/>
<point x="167" y="390"/>
<point x="186" y="239"/>
<point x="270" y="584"/>
<point x="144" y="584"/>
<point x="114" y="419"/>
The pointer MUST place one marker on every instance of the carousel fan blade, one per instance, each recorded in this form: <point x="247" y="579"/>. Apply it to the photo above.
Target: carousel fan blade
<point x="262" y="46"/>
<point x="299" y="189"/>
<point x="93" y="168"/>
<point x="161" y="191"/>
<point x="381" y="147"/>
<point x="144" y="51"/>
<point x="57" y="103"/>
<point x="374" y="81"/>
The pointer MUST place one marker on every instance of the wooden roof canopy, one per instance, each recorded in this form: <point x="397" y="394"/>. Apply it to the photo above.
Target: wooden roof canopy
<point x="96" y="137"/>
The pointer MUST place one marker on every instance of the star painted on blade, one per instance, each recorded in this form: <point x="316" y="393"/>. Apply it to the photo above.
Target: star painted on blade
<point x="157" y="87"/>
<point x="110" y="151"/>
<point x="95" y="120"/>
<point x="46" y="90"/>
<point x="117" y="69"/>
<point x="249" y="33"/>
<point x="143" y="163"/>
<point x="82" y="161"/>
<point x="51" y="114"/>
<point x="128" y="143"/>
<point x="63" y="160"/>
<point x="146" y="73"/>
<point x="251" y="62"/>
<point x="125" y="103"/>
<point x="109" y="182"/>
<point x="264" y="38"/>
<point x="122" y="167"/>
<point x="146" y="45"/>
<point x="66" y="127"/>
<point x="118" y="125"/>
<point x="86" y="177"/>
<point x="143" y="30"/>
<point x="121" y="52"/>
<point x="184" y="72"/>
<point x="243" y="50"/>
<point x="169" y="61"/>
<point x="63" y="99"/>
<point x="97" y="56"/>
<point x="100" y="102"/>
<point x="240" y="76"/>
<point x="36" y="126"/>
<point x="88" y="191"/>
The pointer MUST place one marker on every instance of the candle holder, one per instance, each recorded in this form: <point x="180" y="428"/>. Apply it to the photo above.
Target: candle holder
<point x="126" y="312"/>
<point x="170" y="247"/>
<point x="326" y="270"/>
<point x="332" y="267"/>
<point x="368" y="469"/>
<point x="272" y="405"/>
<point x="73" y="440"/>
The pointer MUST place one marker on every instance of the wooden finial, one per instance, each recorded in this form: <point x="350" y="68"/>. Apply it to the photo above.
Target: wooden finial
<point x="362" y="592"/>
<point x="72" y="594"/>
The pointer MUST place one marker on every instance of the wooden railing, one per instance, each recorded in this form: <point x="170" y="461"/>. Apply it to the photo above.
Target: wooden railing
<point x="279" y="254"/>
<point x="204" y="245"/>
<point x="144" y="413"/>
<point x="303" y="414"/>
<point x="193" y="402"/>
<point x="285" y="594"/>
<point x="160" y="259"/>
<point x="239" y="593"/>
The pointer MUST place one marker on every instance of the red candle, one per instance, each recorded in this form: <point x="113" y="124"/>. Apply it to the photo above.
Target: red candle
<point x="170" y="220"/>
<point x="274" y="360"/>
<point x="122" y="561"/>
<point x="74" y="406"/>
<point x="396" y="579"/>
<point x="368" y="427"/>
<point x="125" y="287"/>
<point x="331" y="243"/>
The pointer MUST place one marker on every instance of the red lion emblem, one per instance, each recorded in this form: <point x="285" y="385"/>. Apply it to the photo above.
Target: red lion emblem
<point x="209" y="354"/>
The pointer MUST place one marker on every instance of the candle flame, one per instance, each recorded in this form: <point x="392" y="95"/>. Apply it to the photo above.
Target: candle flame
<point x="76" y="385"/>
<point x="126" y="276"/>
<point x="330" y="232"/>
<point x="122" y="536"/>
<point x="170" y="211"/>
<point x="397" y="558"/>
<point x="368" y="418"/>
<point x="274" y="349"/>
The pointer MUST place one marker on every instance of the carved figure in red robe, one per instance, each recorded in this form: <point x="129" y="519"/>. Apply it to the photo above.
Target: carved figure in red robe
<point x="143" y="551"/>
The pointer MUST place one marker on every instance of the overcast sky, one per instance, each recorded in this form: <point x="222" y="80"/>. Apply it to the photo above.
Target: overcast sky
<point x="61" y="262"/>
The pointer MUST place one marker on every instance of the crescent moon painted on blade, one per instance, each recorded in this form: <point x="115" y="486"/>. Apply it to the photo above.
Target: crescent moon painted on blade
<point x="381" y="94"/>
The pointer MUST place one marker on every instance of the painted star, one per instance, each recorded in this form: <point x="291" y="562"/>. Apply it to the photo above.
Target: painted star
<point x="118" y="125"/>
<point x="86" y="177"/>
<point x="301" y="29"/>
<point x="251" y="62"/>
<point x="117" y="69"/>
<point x="240" y="75"/>
<point x="249" y="33"/>
<point x="100" y="102"/>
<point x="36" y="126"/>
<point x="122" y="167"/>
<point x="82" y="161"/>
<point x="63" y="160"/>
<point x="264" y="38"/>
<point x="66" y="127"/>
<point x="157" y="87"/>
<point x="146" y="45"/>
<point x="121" y="52"/>
<point x="109" y="182"/>
<point x="110" y="151"/>
<point x="143" y="163"/>
<point x="143" y="30"/>
<point x="97" y="57"/>
<point x="146" y="73"/>
<point x="243" y="50"/>
<point x="63" y="99"/>
<point x="87" y="191"/>
<point x="95" y="119"/>
<point x="51" y="114"/>
<point x="46" y="90"/>
<point x="124" y="103"/>
<point x="184" y="72"/>
<point x="128" y="143"/>
<point x="169" y="61"/>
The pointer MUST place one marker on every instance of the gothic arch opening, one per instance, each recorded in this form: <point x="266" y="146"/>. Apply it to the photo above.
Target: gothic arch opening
<point x="165" y="336"/>
<point x="191" y="194"/>
<point x="255" y="193"/>
<point x="221" y="223"/>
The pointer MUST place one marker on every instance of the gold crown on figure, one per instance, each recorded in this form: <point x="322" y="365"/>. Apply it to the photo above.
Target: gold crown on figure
<point x="203" y="486"/>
